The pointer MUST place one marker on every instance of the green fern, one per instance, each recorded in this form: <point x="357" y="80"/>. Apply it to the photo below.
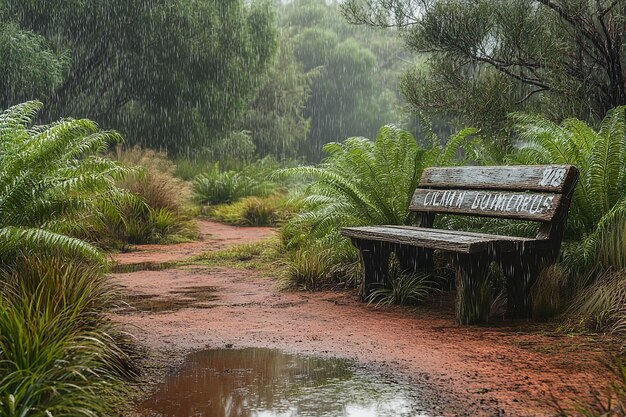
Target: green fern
<point x="49" y="176"/>
<point x="363" y="182"/>
<point x="599" y="199"/>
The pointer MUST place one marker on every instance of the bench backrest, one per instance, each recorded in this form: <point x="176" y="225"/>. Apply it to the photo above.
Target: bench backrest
<point x="538" y="193"/>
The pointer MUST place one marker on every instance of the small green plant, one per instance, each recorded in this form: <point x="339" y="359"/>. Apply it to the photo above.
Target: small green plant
<point x="405" y="289"/>
<point x="215" y="187"/>
<point x="307" y="269"/>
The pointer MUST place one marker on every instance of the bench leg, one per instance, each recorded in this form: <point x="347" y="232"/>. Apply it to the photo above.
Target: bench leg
<point x="374" y="264"/>
<point x="413" y="259"/>
<point x="521" y="272"/>
<point x="473" y="299"/>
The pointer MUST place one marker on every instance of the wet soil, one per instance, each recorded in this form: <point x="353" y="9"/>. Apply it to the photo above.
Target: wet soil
<point x="513" y="368"/>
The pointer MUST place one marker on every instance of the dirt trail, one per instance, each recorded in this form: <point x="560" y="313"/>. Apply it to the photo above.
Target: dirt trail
<point x="508" y="369"/>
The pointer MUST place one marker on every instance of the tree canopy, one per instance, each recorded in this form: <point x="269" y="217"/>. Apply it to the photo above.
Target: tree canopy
<point x="484" y="59"/>
<point x="169" y="74"/>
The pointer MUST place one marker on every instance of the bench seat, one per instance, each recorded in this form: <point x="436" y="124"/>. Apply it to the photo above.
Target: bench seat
<point x="446" y="240"/>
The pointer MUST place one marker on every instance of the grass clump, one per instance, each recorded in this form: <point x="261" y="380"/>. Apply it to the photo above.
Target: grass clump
<point x="405" y="289"/>
<point x="59" y="355"/>
<point x="255" y="211"/>
<point x="550" y="292"/>
<point x="260" y="256"/>
<point x="158" y="211"/>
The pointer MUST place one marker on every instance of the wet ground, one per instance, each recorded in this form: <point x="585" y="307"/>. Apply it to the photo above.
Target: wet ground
<point x="505" y="368"/>
<point x="268" y="383"/>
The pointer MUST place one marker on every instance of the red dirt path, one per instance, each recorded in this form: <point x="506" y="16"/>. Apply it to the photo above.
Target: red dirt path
<point x="508" y="369"/>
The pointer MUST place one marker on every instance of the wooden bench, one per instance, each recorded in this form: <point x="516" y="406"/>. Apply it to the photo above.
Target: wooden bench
<point x="540" y="194"/>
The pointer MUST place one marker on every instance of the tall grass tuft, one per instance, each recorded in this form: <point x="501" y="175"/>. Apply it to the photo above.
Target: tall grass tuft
<point x="59" y="355"/>
<point x="158" y="211"/>
<point x="550" y="292"/>
<point x="406" y="289"/>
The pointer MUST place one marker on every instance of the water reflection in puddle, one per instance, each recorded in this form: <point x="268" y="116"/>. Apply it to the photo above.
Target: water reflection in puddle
<point x="268" y="383"/>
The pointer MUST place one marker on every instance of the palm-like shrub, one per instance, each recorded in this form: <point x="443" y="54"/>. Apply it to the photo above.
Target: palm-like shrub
<point x="595" y="249"/>
<point x="599" y="200"/>
<point x="57" y="354"/>
<point x="362" y="182"/>
<point x="49" y="175"/>
<point x="215" y="187"/>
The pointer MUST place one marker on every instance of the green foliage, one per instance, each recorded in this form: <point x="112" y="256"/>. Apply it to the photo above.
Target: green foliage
<point x="58" y="353"/>
<point x="170" y="74"/>
<point x="602" y="304"/>
<point x="159" y="215"/>
<point x="307" y="268"/>
<point x="275" y="117"/>
<point x="29" y="69"/>
<point x="273" y="210"/>
<point x="354" y="72"/>
<point x="600" y="155"/>
<point x="49" y="177"/>
<point x="484" y="59"/>
<point x="360" y="183"/>
<point x="215" y="187"/>
<point x="405" y="289"/>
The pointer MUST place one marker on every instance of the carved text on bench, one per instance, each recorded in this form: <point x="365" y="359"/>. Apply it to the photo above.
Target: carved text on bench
<point x="490" y="201"/>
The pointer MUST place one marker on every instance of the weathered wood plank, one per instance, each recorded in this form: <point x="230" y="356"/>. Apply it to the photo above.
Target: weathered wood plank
<point x="488" y="203"/>
<point x="551" y="178"/>
<point x="485" y="236"/>
<point x="459" y="242"/>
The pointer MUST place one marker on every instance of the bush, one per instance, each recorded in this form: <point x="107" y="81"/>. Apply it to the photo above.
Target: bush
<point x="596" y="226"/>
<point x="599" y="200"/>
<point x="253" y="211"/>
<point x="58" y="353"/>
<point x="360" y="183"/>
<point x="50" y="176"/>
<point x="158" y="214"/>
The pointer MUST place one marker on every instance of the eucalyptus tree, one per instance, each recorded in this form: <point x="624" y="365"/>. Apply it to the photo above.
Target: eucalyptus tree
<point x="354" y="73"/>
<point x="169" y="74"/>
<point x="487" y="58"/>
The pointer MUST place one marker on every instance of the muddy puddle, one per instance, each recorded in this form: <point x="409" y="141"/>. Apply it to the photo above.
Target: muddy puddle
<point x="186" y="297"/>
<point x="269" y="383"/>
